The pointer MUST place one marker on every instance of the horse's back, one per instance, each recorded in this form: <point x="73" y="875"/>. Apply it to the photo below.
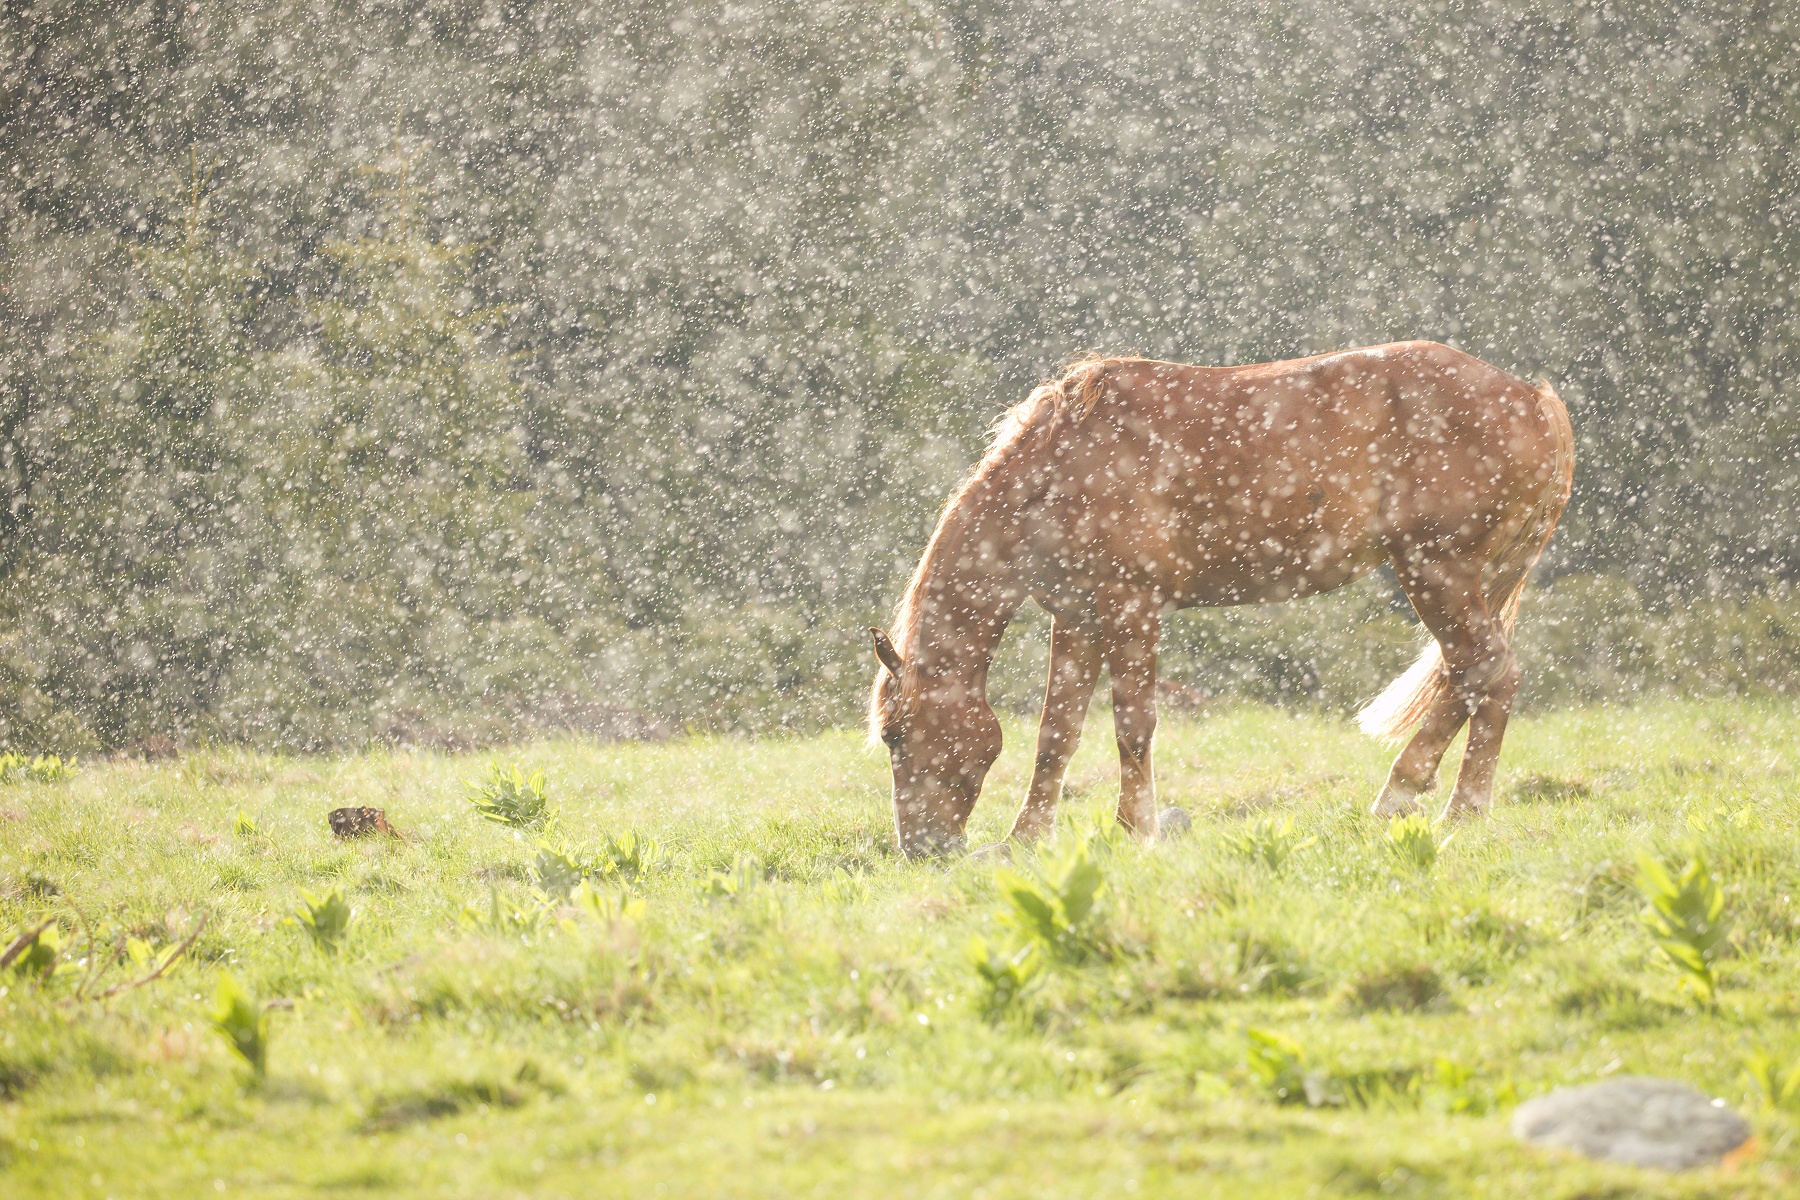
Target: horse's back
<point x="1263" y="482"/>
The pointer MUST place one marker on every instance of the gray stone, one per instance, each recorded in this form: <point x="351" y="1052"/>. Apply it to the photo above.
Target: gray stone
<point x="1634" y="1119"/>
<point x="1172" y="823"/>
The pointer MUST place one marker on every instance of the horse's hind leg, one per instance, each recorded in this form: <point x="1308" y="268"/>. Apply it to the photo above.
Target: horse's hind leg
<point x="1074" y="666"/>
<point x="1129" y="627"/>
<point x="1483" y="677"/>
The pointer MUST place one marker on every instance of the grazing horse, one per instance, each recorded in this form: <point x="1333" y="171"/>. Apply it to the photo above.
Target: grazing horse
<point x="1129" y="487"/>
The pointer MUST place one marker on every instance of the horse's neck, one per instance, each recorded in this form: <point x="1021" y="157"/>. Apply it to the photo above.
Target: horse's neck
<point x="967" y="592"/>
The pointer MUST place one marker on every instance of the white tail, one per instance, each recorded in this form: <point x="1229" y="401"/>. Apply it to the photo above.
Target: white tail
<point x="1405" y="701"/>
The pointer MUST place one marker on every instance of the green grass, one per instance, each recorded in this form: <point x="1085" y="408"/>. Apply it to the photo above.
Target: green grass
<point x="794" y="1011"/>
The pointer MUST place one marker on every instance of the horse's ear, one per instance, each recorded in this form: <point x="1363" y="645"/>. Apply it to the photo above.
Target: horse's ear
<point x="884" y="650"/>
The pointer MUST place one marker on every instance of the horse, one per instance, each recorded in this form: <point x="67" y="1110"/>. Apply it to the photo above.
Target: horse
<point x="1129" y="487"/>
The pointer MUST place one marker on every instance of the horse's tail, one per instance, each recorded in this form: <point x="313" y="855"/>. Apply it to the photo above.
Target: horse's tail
<point x="1404" y="702"/>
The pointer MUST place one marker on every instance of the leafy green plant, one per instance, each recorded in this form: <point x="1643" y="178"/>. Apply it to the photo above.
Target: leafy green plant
<point x="1269" y="841"/>
<point x="508" y="796"/>
<point x="505" y="920"/>
<point x="558" y="870"/>
<point x="242" y="1022"/>
<point x="42" y="768"/>
<point x="244" y="825"/>
<point x="630" y="855"/>
<point x="607" y="907"/>
<point x="737" y="883"/>
<point x="1058" y="907"/>
<point x="1006" y="975"/>
<point x="1411" y="840"/>
<point x="325" y="919"/>
<point x="1278" y="1063"/>
<point x="1684" y="912"/>
<point x="1777" y="1082"/>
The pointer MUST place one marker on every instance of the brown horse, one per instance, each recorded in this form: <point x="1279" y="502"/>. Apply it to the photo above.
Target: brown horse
<point x="1130" y="487"/>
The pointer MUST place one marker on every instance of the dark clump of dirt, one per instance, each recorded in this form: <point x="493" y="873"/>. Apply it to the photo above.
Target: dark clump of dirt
<point x="398" y="1110"/>
<point x="1402" y="988"/>
<point x="1549" y="789"/>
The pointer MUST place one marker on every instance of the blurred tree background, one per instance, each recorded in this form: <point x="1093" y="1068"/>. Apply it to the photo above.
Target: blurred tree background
<point x="443" y="371"/>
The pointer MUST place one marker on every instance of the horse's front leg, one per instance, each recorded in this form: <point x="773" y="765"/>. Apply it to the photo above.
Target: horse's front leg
<point x="1130" y="626"/>
<point x="1074" y="667"/>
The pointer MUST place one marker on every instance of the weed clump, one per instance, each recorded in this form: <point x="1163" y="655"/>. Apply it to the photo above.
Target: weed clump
<point x="1006" y="975"/>
<point x="1269" y="842"/>
<point x="42" y="768"/>
<point x="1057" y="908"/>
<point x="242" y="1022"/>
<point x="1265" y="963"/>
<point x="326" y="919"/>
<point x="1776" y="1081"/>
<point x="508" y="796"/>
<point x="1684" y="912"/>
<point x="1410" y="840"/>
<point x="1407" y="987"/>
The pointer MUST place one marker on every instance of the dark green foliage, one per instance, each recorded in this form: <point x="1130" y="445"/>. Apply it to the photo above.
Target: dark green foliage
<point x="1006" y="975"/>
<point x="428" y="376"/>
<point x="324" y="919"/>
<point x="242" y="1022"/>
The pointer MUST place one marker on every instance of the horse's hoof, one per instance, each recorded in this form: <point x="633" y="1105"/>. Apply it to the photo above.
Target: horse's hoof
<point x="992" y="852"/>
<point x="1456" y="812"/>
<point x="1397" y="802"/>
<point x="1173" y="823"/>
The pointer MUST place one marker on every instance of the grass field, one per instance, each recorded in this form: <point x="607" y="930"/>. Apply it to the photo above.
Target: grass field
<point x="778" y="1005"/>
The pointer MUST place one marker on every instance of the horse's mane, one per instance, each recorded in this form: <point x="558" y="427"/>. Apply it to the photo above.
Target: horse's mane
<point x="1052" y="409"/>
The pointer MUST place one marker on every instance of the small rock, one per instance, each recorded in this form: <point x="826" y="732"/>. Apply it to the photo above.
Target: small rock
<point x="359" y="822"/>
<point x="1173" y="823"/>
<point x="1634" y="1119"/>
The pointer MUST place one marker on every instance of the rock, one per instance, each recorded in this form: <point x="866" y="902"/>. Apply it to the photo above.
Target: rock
<point x="359" y="822"/>
<point x="1173" y="823"/>
<point x="1634" y="1119"/>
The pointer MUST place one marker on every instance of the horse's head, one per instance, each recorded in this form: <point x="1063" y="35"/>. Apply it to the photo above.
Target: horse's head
<point x="941" y="737"/>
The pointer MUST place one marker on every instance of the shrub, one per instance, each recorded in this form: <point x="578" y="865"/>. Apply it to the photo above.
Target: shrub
<point x="42" y="768"/>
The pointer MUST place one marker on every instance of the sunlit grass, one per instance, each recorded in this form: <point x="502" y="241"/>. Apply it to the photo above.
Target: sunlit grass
<point x="770" y="1002"/>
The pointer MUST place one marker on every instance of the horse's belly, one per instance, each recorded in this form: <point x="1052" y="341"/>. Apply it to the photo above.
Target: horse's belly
<point x="1256" y="562"/>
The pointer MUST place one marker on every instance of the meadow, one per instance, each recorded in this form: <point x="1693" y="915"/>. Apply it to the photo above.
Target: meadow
<point x="709" y="973"/>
